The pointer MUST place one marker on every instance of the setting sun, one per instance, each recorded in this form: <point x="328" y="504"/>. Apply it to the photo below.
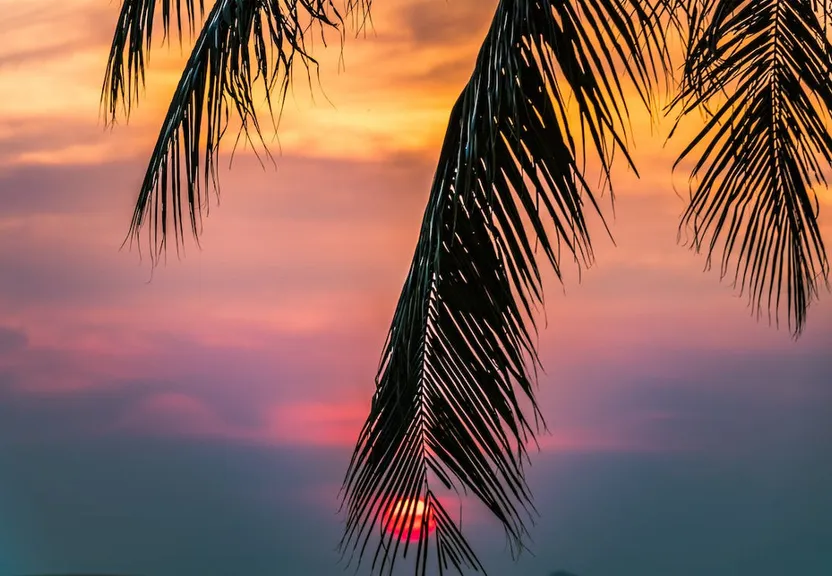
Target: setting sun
<point x="404" y="512"/>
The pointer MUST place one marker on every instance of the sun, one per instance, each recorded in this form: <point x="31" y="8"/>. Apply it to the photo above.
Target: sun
<point x="402" y="512"/>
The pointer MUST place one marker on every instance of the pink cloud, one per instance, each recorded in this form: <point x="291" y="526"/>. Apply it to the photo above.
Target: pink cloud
<point x="298" y="424"/>
<point x="314" y="423"/>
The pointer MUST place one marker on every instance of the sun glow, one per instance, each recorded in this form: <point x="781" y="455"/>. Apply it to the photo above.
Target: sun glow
<point x="405" y="519"/>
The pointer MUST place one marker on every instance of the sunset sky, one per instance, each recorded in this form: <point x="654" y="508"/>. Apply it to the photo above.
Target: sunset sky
<point x="198" y="418"/>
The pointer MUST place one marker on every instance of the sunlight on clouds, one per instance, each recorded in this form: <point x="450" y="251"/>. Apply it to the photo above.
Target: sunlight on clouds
<point x="49" y="88"/>
<point x="393" y="96"/>
<point x="81" y="154"/>
<point x="360" y="134"/>
<point x="47" y="56"/>
<point x="52" y="63"/>
<point x="384" y="92"/>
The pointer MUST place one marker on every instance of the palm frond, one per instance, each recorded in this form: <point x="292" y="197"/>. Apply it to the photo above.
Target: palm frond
<point x="460" y="358"/>
<point x="242" y="43"/>
<point x="764" y="67"/>
<point x="131" y="44"/>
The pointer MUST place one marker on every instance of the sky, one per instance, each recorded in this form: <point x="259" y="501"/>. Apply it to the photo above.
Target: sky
<point x="198" y="418"/>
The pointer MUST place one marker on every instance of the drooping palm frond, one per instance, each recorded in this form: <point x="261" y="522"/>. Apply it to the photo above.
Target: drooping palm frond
<point x="242" y="42"/>
<point x="131" y="44"/>
<point x="460" y="357"/>
<point x="764" y="67"/>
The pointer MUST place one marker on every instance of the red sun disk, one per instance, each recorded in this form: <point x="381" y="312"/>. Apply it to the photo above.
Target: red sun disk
<point x="402" y="513"/>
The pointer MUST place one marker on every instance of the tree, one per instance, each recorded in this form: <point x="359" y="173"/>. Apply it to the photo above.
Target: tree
<point x="546" y="94"/>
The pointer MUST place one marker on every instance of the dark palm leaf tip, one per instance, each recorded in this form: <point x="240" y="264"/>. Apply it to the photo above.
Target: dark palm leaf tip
<point x="766" y="65"/>
<point x="135" y="27"/>
<point x="242" y="43"/>
<point x="460" y="358"/>
<point x="131" y="40"/>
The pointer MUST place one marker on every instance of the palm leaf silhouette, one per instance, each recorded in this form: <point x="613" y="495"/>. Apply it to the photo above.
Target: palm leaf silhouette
<point x="458" y="359"/>
<point x="764" y="147"/>
<point x="242" y="42"/>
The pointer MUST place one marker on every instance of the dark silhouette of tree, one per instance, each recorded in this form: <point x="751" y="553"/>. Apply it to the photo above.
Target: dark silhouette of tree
<point x="545" y="96"/>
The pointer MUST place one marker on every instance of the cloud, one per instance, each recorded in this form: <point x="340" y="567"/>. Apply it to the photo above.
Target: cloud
<point x="291" y="424"/>
<point x="27" y="56"/>
<point x="11" y="340"/>
<point x="428" y="23"/>
<point x="722" y="403"/>
<point x="314" y="423"/>
<point x="62" y="228"/>
<point x="277" y="393"/>
<point x="395" y="97"/>
<point x="175" y="414"/>
<point x="30" y="141"/>
<point x="259" y="388"/>
<point x="290" y="299"/>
